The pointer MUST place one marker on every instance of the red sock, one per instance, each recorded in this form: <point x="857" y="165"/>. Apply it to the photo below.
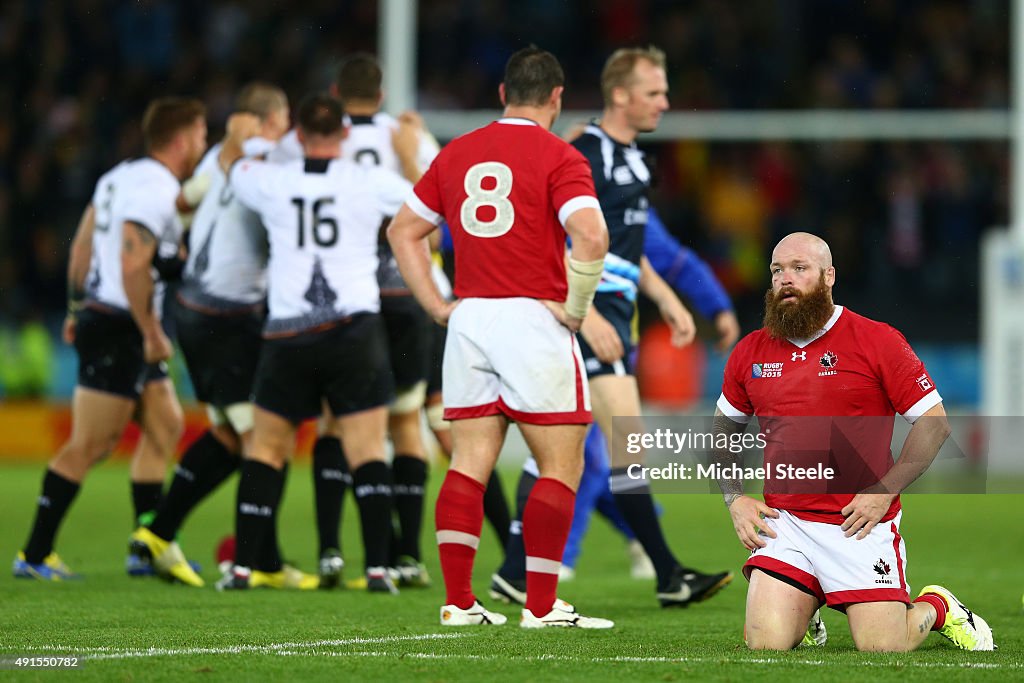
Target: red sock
<point x="940" y="606"/>
<point x="546" y="521"/>
<point x="458" y="517"/>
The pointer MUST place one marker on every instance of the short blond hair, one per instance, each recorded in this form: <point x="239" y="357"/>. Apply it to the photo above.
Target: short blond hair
<point x="618" y="70"/>
<point x="261" y="99"/>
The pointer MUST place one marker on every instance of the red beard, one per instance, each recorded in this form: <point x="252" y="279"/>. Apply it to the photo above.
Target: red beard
<point x="801" y="318"/>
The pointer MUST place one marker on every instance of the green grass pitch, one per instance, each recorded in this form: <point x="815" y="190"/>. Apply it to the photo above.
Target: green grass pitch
<point x="144" y="629"/>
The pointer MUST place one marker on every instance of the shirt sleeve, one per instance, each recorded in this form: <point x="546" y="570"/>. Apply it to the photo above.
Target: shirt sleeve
<point x="250" y="180"/>
<point x="425" y="200"/>
<point x="904" y="378"/>
<point x="572" y="185"/>
<point x="734" y="401"/>
<point x="153" y="209"/>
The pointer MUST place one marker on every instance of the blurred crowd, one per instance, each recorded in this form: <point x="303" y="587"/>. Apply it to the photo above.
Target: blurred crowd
<point x="904" y="219"/>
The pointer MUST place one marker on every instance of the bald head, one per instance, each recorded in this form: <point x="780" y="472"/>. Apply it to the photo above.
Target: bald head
<point x="804" y="244"/>
<point x="800" y="300"/>
<point x="799" y="261"/>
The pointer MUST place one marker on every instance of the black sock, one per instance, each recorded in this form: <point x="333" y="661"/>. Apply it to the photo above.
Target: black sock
<point x="410" y="476"/>
<point x="371" y="484"/>
<point x="496" y="508"/>
<point x="270" y="557"/>
<point x="330" y="479"/>
<point x="146" y="497"/>
<point x="259" y="491"/>
<point x="514" y="567"/>
<point x="203" y="467"/>
<point x="633" y="498"/>
<point x="53" y="504"/>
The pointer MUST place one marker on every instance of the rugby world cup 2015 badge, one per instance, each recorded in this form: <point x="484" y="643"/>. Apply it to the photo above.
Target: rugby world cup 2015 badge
<point x="766" y="370"/>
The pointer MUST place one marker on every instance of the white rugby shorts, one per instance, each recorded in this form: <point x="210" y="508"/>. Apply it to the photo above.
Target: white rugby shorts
<point x="512" y="357"/>
<point x="839" y="571"/>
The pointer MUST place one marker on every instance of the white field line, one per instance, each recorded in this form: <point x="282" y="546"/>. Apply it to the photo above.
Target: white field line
<point x="315" y="649"/>
<point x="106" y="652"/>
<point x="656" y="660"/>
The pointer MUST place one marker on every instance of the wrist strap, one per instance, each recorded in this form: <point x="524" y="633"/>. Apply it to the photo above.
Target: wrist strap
<point x="584" y="276"/>
<point x="76" y="299"/>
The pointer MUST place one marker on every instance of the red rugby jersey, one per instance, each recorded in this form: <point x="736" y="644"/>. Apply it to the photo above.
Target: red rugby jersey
<point x="840" y="392"/>
<point x="506" y="191"/>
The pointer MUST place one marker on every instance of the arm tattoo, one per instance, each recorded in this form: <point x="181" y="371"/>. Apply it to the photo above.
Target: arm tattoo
<point x="731" y="488"/>
<point x="145" y="236"/>
<point x="137" y="234"/>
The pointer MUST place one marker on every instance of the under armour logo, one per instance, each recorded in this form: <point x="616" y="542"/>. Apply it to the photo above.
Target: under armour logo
<point x="799" y="355"/>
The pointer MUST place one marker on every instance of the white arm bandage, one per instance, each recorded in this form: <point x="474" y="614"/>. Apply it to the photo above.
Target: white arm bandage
<point x="584" y="277"/>
<point x="194" y="188"/>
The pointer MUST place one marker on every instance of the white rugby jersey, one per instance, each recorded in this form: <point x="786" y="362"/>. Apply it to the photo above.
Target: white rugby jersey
<point x="322" y="217"/>
<point x="142" y="191"/>
<point x="368" y="142"/>
<point x="226" y="267"/>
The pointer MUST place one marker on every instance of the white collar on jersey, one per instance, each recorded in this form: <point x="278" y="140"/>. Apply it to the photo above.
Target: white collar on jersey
<point x="801" y="343"/>
<point x="516" y="121"/>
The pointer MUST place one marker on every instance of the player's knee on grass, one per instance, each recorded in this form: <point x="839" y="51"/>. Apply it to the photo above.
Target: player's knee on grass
<point x="880" y="627"/>
<point x="892" y="643"/>
<point x="777" y="613"/>
<point x="764" y="637"/>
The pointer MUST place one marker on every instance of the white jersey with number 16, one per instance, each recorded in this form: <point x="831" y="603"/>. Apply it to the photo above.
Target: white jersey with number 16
<point x="323" y="217"/>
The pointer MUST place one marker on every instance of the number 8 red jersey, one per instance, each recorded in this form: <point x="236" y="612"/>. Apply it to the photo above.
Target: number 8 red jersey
<point x="506" y="191"/>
